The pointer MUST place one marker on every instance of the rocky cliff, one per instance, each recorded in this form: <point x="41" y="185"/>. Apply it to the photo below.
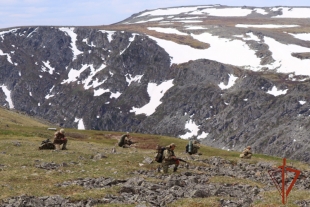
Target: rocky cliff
<point x="120" y="78"/>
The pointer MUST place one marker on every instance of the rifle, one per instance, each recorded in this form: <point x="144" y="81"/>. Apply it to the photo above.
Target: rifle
<point x="181" y="160"/>
<point x="131" y="142"/>
<point x="45" y="141"/>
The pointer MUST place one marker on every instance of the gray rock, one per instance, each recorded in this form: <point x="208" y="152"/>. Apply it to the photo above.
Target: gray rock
<point x="273" y="125"/>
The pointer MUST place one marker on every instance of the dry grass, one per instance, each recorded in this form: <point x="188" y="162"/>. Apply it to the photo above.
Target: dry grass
<point x="197" y="202"/>
<point x="20" y="158"/>
<point x="141" y="28"/>
<point x="273" y="199"/>
<point x="8" y="118"/>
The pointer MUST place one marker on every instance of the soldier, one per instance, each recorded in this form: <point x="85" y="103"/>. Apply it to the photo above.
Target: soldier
<point x="46" y="144"/>
<point x="125" y="141"/>
<point x="194" y="148"/>
<point x="170" y="159"/>
<point x="246" y="154"/>
<point x="60" y="139"/>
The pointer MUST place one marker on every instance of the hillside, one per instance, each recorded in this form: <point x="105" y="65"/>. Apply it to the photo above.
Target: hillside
<point x="228" y="76"/>
<point x="95" y="172"/>
<point x="15" y="118"/>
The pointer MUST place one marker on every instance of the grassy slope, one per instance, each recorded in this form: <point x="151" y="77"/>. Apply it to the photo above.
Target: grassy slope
<point x="20" y="137"/>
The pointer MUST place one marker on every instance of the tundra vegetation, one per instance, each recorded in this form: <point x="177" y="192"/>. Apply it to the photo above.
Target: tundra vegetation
<point x="22" y="164"/>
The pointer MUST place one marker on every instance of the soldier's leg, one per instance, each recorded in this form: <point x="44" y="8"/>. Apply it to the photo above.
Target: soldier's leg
<point x="176" y="165"/>
<point x="64" y="146"/>
<point x="158" y="168"/>
<point x="129" y="142"/>
<point x="165" y="166"/>
<point x="57" y="146"/>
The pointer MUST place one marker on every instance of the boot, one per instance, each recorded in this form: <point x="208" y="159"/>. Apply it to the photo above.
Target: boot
<point x="165" y="169"/>
<point x="175" y="169"/>
<point x="64" y="147"/>
<point x="57" y="147"/>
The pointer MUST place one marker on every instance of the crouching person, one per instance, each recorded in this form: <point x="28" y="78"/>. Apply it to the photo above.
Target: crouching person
<point x="170" y="159"/>
<point x="193" y="149"/>
<point x="60" y="139"/>
<point x="246" y="154"/>
<point x="125" y="141"/>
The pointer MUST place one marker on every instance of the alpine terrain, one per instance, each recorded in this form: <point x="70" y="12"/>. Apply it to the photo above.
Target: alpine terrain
<point x="229" y="76"/>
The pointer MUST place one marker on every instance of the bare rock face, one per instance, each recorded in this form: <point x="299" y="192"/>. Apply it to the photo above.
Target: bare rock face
<point x="97" y="76"/>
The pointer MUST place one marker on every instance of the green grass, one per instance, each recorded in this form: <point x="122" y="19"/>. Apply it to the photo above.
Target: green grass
<point x="19" y="155"/>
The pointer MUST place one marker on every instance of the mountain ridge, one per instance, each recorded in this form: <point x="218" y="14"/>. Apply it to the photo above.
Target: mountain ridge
<point x="173" y="69"/>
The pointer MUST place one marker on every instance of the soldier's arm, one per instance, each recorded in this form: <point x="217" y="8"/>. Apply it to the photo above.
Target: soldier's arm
<point x="168" y="155"/>
<point x="172" y="156"/>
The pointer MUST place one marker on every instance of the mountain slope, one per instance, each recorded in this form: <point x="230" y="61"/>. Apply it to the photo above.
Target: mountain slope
<point x="9" y="118"/>
<point x="230" y="76"/>
<point x="94" y="171"/>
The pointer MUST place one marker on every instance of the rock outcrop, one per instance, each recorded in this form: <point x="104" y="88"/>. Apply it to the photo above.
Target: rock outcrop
<point x="194" y="182"/>
<point x="101" y="78"/>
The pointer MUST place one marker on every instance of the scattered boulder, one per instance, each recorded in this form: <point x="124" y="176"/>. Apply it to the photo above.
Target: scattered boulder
<point x="189" y="183"/>
<point x="98" y="156"/>
<point x="148" y="160"/>
<point x="48" y="166"/>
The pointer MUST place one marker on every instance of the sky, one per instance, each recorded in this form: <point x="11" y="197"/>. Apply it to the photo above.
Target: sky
<point x="14" y="13"/>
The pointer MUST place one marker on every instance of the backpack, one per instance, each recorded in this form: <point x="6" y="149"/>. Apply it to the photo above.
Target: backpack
<point x="122" y="141"/>
<point x="47" y="144"/>
<point x="189" y="147"/>
<point x="160" y="152"/>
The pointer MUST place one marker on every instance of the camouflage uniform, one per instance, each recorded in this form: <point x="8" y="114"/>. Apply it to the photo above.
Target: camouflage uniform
<point x="246" y="154"/>
<point x="47" y="144"/>
<point x="125" y="142"/>
<point x="195" y="148"/>
<point x="59" y="138"/>
<point x="169" y="158"/>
